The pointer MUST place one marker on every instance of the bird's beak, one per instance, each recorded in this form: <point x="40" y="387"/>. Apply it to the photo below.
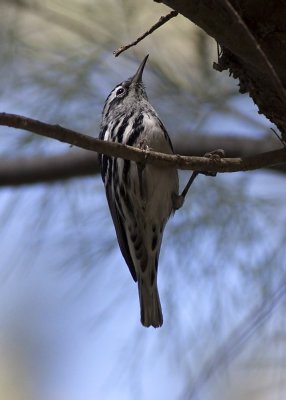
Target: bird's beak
<point x="137" y="78"/>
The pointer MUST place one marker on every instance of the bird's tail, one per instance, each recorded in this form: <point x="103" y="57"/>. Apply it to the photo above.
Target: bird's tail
<point x="150" y="306"/>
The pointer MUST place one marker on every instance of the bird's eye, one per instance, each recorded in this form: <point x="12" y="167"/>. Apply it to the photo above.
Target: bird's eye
<point x="120" y="91"/>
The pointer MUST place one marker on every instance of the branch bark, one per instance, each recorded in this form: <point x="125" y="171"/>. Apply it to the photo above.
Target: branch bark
<point x="76" y="163"/>
<point x="44" y="169"/>
<point x="262" y="160"/>
<point x="257" y="58"/>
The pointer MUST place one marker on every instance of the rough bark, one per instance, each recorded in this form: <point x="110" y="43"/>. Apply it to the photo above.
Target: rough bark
<point x="252" y="36"/>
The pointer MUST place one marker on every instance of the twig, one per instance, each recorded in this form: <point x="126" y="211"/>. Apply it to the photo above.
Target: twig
<point x="161" y="22"/>
<point x="57" y="132"/>
<point x="279" y="138"/>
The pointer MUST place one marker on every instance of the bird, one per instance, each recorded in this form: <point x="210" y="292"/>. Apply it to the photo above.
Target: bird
<point x="141" y="197"/>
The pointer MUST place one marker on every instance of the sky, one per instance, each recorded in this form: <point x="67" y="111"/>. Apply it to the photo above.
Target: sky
<point x="68" y="299"/>
<point x="69" y="309"/>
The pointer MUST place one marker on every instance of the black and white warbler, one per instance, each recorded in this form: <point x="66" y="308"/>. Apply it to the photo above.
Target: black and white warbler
<point x="140" y="198"/>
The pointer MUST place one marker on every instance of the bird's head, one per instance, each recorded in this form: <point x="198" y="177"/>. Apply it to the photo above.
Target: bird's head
<point x="126" y="95"/>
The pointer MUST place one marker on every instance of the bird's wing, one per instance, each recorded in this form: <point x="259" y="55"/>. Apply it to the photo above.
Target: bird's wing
<point x="120" y="232"/>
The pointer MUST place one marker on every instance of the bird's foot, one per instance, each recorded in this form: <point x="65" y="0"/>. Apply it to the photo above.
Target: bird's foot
<point x="214" y="156"/>
<point x="177" y="201"/>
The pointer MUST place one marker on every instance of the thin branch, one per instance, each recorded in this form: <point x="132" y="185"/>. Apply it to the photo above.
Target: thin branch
<point x="161" y="22"/>
<point x="78" y="163"/>
<point x="262" y="160"/>
<point x="279" y="138"/>
<point x="44" y="169"/>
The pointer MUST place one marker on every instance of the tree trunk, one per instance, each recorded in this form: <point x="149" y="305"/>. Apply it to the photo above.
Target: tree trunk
<point x="252" y="36"/>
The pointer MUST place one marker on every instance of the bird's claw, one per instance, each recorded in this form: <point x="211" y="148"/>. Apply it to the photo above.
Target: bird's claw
<point x="144" y="146"/>
<point x="215" y="156"/>
<point x="177" y="201"/>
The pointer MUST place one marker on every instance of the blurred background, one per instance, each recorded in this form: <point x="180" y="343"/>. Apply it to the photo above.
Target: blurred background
<point x="69" y="312"/>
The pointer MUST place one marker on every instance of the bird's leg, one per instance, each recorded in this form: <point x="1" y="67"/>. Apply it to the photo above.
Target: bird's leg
<point x="178" y="200"/>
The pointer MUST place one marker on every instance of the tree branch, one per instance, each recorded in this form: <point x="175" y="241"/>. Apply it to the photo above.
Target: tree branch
<point x="257" y="59"/>
<point x="157" y="25"/>
<point x="76" y="163"/>
<point x="41" y="169"/>
<point x="262" y="160"/>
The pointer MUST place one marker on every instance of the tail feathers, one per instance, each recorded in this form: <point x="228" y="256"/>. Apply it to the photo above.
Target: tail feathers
<point x="151" y="312"/>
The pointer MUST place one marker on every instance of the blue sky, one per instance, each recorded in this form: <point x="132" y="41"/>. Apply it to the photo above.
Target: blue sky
<point x="69" y="307"/>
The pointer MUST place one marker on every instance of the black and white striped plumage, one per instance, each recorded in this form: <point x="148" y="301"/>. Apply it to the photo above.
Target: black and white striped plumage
<point x="140" y="198"/>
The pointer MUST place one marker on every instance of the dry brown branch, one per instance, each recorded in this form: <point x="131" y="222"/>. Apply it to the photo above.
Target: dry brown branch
<point x="161" y="22"/>
<point x="194" y="163"/>
<point x="77" y="163"/>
